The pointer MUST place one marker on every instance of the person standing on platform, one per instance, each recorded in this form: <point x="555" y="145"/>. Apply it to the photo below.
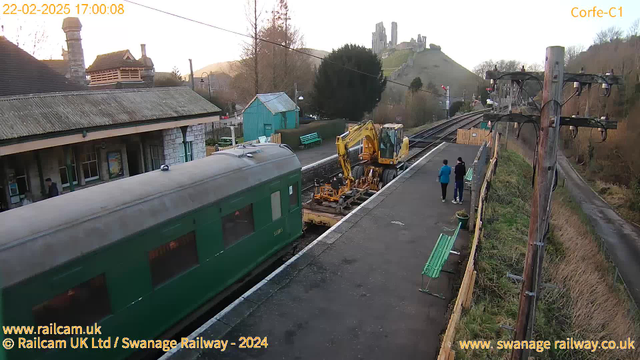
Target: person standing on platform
<point x="443" y="178"/>
<point x="460" y="171"/>
<point x="52" y="188"/>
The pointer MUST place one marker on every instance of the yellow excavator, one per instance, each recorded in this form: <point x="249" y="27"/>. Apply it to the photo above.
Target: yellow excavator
<point x="383" y="153"/>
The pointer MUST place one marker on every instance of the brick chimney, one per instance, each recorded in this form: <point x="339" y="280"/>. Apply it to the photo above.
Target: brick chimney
<point x="149" y="71"/>
<point x="71" y="27"/>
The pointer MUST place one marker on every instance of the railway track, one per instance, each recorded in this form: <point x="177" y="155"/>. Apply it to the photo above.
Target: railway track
<point x="430" y="138"/>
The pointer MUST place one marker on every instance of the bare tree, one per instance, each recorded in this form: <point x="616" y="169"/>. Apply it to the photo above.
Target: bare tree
<point x="634" y="29"/>
<point x="29" y="37"/>
<point x="608" y="35"/>
<point x="534" y="67"/>
<point x="482" y="68"/>
<point x="571" y="53"/>
<point x="278" y="67"/>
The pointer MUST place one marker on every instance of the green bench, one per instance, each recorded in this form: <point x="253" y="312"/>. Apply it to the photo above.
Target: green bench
<point x="468" y="178"/>
<point x="310" y="139"/>
<point x="437" y="259"/>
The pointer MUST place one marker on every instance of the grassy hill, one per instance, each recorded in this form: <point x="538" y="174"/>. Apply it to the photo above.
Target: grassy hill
<point x="228" y="67"/>
<point x="394" y="60"/>
<point x="436" y="67"/>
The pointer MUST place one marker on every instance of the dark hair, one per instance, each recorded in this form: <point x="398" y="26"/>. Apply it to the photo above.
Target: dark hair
<point x="47" y="179"/>
<point x="460" y="159"/>
<point x="445" y="162"/>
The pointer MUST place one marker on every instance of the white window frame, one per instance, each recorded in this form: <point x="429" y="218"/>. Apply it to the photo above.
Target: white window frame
<point x="89" y="162"/>
<point x="65" y="169"/>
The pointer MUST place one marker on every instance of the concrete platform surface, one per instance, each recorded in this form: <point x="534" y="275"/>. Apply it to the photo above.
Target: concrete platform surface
<point x="353" y="294"/>
<point x="317" y="152"/>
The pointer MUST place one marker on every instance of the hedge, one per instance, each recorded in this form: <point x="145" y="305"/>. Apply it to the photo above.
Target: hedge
<point x="327" y="129"/>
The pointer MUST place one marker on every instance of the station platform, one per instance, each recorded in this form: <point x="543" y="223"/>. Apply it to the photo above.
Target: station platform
<point x="353" y="292"/>
<point x="316" y="153"/>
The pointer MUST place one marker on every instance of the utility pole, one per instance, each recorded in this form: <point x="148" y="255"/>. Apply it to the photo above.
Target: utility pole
<point x="193" y="84"/>
<point x="541" y="199"/>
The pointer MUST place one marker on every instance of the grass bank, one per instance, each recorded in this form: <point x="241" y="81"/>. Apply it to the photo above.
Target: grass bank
<point x="584" y="304"/>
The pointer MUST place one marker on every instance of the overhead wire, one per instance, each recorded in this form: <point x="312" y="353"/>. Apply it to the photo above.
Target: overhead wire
<point x="273" y="43"/>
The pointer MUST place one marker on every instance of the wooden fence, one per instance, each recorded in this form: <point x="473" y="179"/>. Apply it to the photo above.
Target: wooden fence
<point x="472" y="136"/>
<point x="274" y="139"/>
<point x="465" y="294"/>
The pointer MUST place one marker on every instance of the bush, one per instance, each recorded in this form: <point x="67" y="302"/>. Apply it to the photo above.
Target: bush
<point x="327" y="129"/>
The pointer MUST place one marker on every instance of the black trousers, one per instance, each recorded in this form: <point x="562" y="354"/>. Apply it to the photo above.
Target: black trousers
<point x="444" y="190"/>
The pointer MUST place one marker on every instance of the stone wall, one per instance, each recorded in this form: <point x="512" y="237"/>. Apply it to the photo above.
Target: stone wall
<point x="174" y="148"/>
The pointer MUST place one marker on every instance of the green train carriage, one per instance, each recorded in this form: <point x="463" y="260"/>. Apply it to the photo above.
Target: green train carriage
<point x="139" y="254"/>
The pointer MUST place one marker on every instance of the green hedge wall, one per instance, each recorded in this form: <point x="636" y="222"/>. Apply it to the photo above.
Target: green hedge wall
<point x="327" y="129"/>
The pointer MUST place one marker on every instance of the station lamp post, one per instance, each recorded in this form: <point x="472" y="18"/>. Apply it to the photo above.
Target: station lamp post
<point x="298" y="96"/>
<point x="208" y="82"/>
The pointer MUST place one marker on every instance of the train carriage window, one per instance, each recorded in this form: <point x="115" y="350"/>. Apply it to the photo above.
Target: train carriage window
<point x="237" y="225"/>
<point x="276" y="210"/>
<point x="173" y="258"/>
<point x="293" y="196"/>
<point x="82" y="305"/>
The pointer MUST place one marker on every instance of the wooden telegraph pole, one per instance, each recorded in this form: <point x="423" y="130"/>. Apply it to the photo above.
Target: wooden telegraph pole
<point x="541" y="200"/>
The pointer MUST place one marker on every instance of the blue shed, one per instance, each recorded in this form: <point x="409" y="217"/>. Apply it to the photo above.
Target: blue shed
<point x="267" y="113"/>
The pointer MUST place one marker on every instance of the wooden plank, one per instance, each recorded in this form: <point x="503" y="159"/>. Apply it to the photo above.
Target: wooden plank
<point x="472" y="136"/>
<point x="467" y="303"/>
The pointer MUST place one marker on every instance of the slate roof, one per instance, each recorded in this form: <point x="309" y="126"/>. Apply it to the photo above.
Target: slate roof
<point x="276" y="102"/>
<point x="114" y="60"/>
<point x="21" y="73"/>
<point x="30" y="115"/>
<point x="60" y="66"/>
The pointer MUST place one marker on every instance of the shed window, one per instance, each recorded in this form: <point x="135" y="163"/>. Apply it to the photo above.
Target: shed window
<point x="173" y="258"/>
<point x="237" y="225"/>
<point x="276" y="211"/>
<point x="82" y="305"/>
<point x="293" y="196"/>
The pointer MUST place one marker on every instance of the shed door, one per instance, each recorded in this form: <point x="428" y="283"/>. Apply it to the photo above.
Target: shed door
<point x="268" y="129"/>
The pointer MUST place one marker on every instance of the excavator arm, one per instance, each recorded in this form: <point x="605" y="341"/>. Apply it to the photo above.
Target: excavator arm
<point x="367" y="133"/>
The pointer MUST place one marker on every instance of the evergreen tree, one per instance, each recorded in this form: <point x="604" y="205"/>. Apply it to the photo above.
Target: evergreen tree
<point x="416" y="85"/>
<point x="341" y="92"/>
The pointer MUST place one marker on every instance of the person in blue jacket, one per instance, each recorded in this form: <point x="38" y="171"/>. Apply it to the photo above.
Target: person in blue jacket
<point x="443" y="178"/>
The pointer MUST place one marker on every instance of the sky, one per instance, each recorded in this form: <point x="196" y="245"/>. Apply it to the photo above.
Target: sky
<point x="468" y="31"/>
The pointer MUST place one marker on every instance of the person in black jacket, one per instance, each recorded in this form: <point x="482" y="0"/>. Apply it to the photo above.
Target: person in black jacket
<point x="53" y="188"/>
<point x="460" y="172"/>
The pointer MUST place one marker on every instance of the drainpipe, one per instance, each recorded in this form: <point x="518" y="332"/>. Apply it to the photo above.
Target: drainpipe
<point x="184" y="141"/>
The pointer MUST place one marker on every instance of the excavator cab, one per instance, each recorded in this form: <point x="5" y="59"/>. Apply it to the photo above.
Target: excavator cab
<point x="391" y="143"/>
